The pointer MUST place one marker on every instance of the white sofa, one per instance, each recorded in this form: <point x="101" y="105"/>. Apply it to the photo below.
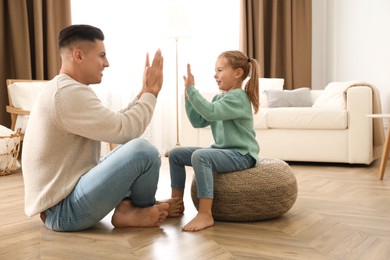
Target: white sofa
<point x="327" y="132"/>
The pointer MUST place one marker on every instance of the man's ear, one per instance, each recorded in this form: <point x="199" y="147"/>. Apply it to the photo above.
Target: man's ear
<point x="78" y="55"/>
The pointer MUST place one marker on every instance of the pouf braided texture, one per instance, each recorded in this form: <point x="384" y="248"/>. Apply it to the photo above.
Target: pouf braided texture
<point x="266" y="191"/>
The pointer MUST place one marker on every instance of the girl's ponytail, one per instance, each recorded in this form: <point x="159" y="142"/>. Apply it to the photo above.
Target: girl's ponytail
<point x="252" y="85"/>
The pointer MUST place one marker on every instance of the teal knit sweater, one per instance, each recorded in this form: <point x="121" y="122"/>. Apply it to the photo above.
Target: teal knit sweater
<point x="230" y="117"/>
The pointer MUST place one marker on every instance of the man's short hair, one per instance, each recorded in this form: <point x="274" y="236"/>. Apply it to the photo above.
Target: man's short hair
<point x="79" y="32"/>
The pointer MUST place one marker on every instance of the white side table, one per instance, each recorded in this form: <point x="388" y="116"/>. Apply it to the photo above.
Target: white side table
<point x="386" y="148"/>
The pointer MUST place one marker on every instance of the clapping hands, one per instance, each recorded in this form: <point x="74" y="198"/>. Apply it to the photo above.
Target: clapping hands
<point x="153" y="75"/>
<point x="189" y="80"/>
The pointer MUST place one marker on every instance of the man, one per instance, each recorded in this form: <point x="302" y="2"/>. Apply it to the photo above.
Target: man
<point x="65" y="180"/>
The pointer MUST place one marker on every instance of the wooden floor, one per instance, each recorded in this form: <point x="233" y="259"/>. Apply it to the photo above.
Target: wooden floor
<point x="342" y="212"/>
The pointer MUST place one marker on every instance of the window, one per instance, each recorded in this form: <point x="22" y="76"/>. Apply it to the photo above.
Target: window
<point x="133" y="28"/>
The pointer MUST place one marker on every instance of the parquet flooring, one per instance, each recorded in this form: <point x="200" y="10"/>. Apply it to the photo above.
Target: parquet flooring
<point x="342" y="212"/>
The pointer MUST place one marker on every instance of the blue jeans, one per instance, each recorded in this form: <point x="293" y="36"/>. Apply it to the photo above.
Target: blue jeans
<point x="131" y="170"/>
<point x="205" y="162"/>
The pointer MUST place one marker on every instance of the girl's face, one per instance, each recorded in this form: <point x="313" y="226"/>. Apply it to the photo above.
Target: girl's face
<point x="227" y="78"/>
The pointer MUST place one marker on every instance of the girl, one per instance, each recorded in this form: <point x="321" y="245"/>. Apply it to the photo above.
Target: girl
<point x="231" y="120"/>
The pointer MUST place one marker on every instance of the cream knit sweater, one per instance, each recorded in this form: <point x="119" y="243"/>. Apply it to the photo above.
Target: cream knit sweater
<point x="63" y="135"/>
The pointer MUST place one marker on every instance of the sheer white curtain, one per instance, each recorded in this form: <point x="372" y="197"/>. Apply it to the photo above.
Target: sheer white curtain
<point x="133" y="28"/>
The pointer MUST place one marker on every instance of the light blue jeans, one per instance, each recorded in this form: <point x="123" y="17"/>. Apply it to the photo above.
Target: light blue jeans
<point x="205" y="162"/>
<point x="131" y="170"/>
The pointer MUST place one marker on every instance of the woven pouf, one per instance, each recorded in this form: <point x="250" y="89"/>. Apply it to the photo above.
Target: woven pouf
<point x="263" y="192"/>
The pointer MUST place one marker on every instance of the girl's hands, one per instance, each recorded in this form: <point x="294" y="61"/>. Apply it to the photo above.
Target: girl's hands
<point x="189" y="80"/>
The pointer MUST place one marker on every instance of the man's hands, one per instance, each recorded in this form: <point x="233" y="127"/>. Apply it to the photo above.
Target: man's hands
<point x="153" y="75"/>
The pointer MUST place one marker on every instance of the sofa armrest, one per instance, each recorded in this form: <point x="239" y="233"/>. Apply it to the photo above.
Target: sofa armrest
<point x="359" y="105"/>
<point x="315" y="93"/>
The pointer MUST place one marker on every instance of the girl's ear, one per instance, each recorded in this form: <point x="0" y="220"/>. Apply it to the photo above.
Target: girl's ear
<point x="239" y="73"/>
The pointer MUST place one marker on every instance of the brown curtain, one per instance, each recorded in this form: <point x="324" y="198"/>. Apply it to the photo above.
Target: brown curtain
<point x="28" y="41"/>
<point x="278" y="34"/>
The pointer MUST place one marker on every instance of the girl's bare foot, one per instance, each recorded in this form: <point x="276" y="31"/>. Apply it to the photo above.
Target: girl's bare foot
<point x="201" y="221"/>
<point x="176" y="206"/>
<point x="127" y="215"/>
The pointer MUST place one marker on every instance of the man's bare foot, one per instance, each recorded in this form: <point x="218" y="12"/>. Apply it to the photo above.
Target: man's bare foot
<point x="201" y="221"/>
<point x="176" y="206"/>
<point x="127" y="215"/>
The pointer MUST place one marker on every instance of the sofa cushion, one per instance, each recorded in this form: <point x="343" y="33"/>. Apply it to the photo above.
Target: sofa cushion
<point x="266" y="84"/>
<point x="301" y="118"/>
<point x="23" y="95"/>
<point x="300" y="97"/>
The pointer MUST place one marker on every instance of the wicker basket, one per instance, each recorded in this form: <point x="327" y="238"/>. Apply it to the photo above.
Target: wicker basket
<point x="9" y="156"/>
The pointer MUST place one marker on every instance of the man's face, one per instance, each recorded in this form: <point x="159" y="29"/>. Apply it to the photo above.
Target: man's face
<point x="94" y="61"/>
